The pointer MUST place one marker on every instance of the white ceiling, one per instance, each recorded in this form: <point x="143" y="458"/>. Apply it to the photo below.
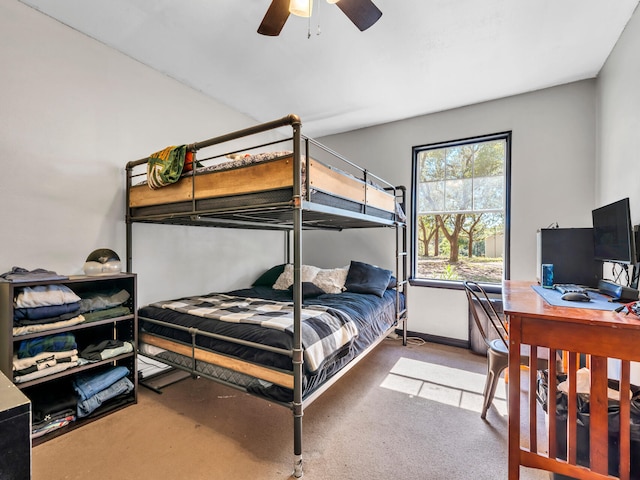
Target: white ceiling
<point x="423" y="56"/>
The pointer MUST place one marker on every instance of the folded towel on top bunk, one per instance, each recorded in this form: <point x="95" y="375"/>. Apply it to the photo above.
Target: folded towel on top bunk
<point x="165" y="167"/>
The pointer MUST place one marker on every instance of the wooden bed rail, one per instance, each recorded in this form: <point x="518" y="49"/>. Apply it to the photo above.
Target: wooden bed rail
<point x="277" y="377"/>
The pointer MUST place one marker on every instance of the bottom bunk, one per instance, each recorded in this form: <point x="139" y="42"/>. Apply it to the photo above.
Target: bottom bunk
<point x="247" y="338"/>
<point x="258" y="358"/>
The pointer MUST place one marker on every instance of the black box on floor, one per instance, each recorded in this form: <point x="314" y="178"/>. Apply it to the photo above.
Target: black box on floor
<point x="15" y="425"/>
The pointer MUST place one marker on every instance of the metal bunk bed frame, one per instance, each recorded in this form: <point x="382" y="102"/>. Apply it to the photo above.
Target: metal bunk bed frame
<point x="323" y="217"/>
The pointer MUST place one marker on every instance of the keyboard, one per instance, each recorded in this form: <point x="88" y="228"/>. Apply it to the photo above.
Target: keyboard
<point x="569" y="288"/>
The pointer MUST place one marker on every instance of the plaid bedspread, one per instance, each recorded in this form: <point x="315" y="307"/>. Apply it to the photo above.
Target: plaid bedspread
<point x="325" y="330"/>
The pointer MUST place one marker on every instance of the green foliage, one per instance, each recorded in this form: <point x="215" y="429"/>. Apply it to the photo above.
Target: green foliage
<point x="449" y="273"/>
<point x="479" y="269"/>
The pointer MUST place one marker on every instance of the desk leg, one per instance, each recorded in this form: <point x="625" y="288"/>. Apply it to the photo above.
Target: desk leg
<point x="514" y="397"/>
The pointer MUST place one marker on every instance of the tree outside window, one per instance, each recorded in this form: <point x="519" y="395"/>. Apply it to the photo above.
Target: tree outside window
<point x="460" y="209"/>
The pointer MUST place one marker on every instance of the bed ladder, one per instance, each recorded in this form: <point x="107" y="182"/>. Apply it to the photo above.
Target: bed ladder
<point x="402" y="257"/>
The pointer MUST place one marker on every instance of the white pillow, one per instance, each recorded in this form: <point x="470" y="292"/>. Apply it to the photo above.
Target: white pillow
<point x="331" y="280"/>
<point x="285" y="280"/>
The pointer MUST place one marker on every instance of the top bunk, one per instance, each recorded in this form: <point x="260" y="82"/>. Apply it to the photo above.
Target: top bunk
<point x="255" y="178"/>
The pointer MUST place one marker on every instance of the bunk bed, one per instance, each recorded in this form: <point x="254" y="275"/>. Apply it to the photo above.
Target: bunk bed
<point x="247" y="180"/>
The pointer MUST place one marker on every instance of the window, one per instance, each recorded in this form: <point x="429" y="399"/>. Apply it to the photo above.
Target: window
<point x="460" y="211"/>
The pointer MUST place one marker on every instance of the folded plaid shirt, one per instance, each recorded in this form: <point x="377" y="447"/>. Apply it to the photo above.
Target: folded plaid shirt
<point x="50" y="343"/>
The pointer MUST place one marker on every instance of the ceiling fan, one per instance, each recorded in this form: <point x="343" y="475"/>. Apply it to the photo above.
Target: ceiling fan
<point x="363" y="13"/>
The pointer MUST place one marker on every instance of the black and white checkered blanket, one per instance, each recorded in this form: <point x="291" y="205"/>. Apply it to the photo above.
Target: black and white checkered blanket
<point x="325" y="330"/>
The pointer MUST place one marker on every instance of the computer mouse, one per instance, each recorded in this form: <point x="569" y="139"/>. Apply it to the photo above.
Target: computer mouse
<point x="576" y="297"/>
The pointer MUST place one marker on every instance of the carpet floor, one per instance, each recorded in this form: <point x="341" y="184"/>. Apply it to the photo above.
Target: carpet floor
<point x="403" y="413"/>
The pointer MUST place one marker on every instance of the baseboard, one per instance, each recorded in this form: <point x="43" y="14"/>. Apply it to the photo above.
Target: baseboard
<point x="452" y="342"/>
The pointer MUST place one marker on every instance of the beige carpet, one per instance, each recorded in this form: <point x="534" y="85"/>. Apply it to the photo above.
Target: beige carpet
<point x="373" y="424"/>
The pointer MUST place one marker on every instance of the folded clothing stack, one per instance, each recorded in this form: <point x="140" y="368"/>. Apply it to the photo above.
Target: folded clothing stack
<point x="45" y="304"/>
<point x="53" y="406"/>
<point x="104" y="350"/>
<point x="95" y="388"/>
<point x="56" y="404"/>
<point x="48" y="307"/>
<point x="42" y="356"/>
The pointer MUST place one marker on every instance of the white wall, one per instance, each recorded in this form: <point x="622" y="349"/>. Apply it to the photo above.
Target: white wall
<point x="73" y="113"/>
<point x="553" y="179"/>
<point x="618" y="133"/>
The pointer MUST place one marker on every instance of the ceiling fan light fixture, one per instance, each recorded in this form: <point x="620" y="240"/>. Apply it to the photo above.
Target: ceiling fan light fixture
<point x="301" y="8"/>
<point x="363" y="13"/>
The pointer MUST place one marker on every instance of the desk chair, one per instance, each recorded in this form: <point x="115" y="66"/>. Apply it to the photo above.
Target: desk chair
<point x="494" y="332"/>
<point x="494" y="336"/>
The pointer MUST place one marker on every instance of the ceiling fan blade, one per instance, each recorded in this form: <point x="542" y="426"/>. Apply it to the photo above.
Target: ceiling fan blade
<point x="275" y="18"/>
<point x="363" y="13"/>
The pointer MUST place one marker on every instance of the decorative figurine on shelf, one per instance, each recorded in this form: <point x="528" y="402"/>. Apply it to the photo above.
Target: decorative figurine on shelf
<point x="102" y="262"/>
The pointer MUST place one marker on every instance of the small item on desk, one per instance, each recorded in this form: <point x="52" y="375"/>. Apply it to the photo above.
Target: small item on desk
<point x="576" y="297"/>
<point x="617" y="292"/>
<point x="547" y="275"/>
<point x="629" y="307"/>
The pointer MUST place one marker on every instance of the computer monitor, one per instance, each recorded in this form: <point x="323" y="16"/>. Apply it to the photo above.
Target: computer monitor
<point x="613" y="235"/>
<point x="570" y="250"/>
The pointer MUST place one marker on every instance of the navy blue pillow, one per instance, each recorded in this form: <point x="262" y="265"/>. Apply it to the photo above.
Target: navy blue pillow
<point x="268" y="278"/>
<point x="365" y="278"/>
<point x="309" y="290"/>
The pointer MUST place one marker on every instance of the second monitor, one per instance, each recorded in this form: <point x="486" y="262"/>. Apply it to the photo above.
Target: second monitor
<point x="570" y="250"/>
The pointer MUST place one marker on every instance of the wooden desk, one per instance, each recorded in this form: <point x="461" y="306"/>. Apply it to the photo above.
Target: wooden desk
<point x="602" y="335"/>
